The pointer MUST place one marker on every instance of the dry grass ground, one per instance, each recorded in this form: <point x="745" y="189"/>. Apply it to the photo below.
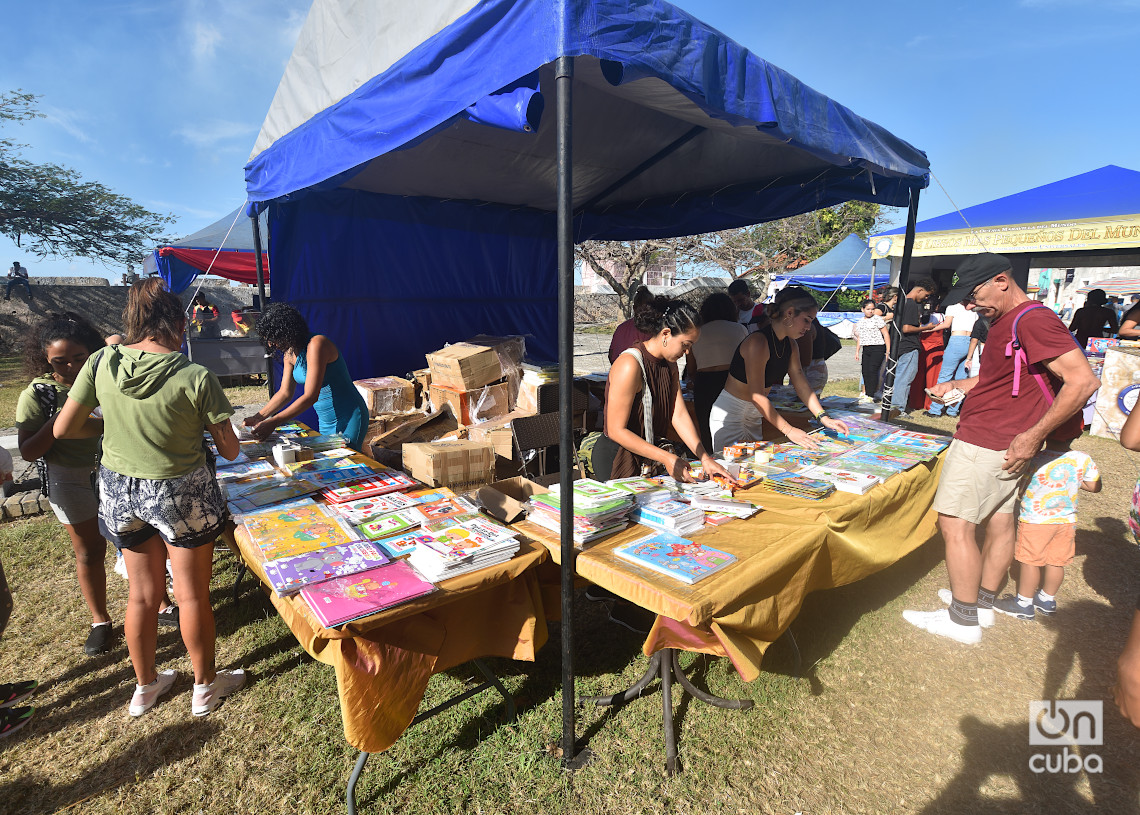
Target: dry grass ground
<point x="885" y="718"/>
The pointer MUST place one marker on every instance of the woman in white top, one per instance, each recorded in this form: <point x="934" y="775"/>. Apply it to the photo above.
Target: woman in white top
<point x="960" y="320"/>
<point x="706" y="364"/>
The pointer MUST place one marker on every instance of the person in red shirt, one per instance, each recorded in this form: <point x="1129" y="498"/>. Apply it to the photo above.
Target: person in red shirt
<point x="1005" y="419"/>
<point x="628" y="334"/>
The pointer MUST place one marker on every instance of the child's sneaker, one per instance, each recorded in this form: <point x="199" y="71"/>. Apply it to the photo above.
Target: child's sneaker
<point x="146" y="695"/>
<point x="208" y="697"/>
<point x="1044" y="606"/>
<point x="1008" y="604"/>
<point x="12" y="693"/>
<point x="13" y="718"/>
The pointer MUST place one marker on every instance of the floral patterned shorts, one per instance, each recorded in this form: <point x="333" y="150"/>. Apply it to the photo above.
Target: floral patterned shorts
<point x="188" y="511"/>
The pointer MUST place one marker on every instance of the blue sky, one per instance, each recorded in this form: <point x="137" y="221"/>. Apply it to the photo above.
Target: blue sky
<point x="162" y="101"/>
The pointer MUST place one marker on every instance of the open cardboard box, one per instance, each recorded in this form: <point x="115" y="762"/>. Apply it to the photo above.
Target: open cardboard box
<point x="504" y="499"/>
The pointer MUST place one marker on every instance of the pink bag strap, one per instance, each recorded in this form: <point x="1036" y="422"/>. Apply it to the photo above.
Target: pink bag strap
<point x="1015" y="350"/>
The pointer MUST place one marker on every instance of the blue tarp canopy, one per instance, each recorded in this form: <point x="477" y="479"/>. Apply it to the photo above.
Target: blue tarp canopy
<point x="408" y="159"/>
<point x="848" y="263"/>
<point x="1111" y="190"/>
<point x="224" y="248"/>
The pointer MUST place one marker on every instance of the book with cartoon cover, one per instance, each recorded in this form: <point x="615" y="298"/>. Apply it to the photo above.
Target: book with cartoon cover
<point x="289" y="575"/>
<point x="391" y="524"/>
<point x="382" y="482"/>
<point x="402" y="545"/>
<point x="363" y="510"/>
<point x="677" y="557"/>
<point x="344" y="599"/>
<point x="279" y="533"/>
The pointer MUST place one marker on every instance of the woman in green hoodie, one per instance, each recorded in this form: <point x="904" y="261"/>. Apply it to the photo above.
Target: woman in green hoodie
<point x="158" y="495"/>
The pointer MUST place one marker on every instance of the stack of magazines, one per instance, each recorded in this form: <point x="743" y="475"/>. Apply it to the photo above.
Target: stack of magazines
<point x="462" y="544"/>
<point x="599" y="510"/>
<point x="670" y="516"/>
<point x="798" y="485"/>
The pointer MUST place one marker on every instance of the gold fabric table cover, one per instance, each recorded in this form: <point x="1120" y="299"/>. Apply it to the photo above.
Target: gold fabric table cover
<point x="790" y="548"/>
<point x="383" y="662"/>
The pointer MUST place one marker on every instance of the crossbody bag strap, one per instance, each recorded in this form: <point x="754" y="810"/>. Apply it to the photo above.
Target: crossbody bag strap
<point x="1015" y="349"/>
<point x="646" y="396"/>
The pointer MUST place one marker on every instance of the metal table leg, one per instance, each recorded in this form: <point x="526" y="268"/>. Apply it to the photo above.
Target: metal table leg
<point x="671" y="767"/>
<point x="491" y="681"/>
<point x="631" y="693"/>
<point x="707" y="698"/>
<point x="242" y="569"/>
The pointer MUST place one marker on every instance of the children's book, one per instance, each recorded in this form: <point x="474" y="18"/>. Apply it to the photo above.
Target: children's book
<point x="393" y="524"/>
<point x="238" y="472"/>
<point x="675" y="556"/>
<point x="383" y="482"/>
<point x="238" y="507"/>
<point x="798" y="485"/>
<point x="282" y="533"/>
<point x="844" y="480"/>
<point x="366" y="509"/>
<point x="349" y="598"/>
<point x="289" y="575"/>
<point x="429" y="495"/>
<point x="274" y="492"/>
<point x="447" y="508"/>
<point x="402" y="545"/>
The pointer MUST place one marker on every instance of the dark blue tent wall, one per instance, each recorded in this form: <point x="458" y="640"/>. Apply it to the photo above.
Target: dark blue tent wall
<point x="388" y="278"/>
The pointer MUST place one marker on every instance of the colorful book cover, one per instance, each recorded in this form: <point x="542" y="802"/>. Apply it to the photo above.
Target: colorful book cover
<point x="845" y="480"/>
<point x="282" y="533"/>
<point x="402" y="545"/>
<point x="289" y="575"/>
<point x="393" y="524"/>
<point x="861" y="465"/>
<point x="447" y="508"/>
<point x="350" y="598"/>
<point x="239" y="506"/>
<point x="383" y="482"/>
<point x="429" y="495"/>
<point x="675" y="556"/>
<point x="363" y="510"/>
<point x="238" y="472"/>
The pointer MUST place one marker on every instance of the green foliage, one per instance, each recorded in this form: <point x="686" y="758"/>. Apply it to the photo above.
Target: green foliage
<point x="850" y="300"/>
<point x="49" y="209"/>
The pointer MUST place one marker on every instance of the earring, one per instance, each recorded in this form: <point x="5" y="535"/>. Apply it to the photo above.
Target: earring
<point x="665" y="342"/>
<point x="788" y="322"/>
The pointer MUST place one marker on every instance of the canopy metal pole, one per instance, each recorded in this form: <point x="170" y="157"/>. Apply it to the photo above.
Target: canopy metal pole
<point x="874" y="265"/>
<point x="563" y="80"/>
<point x="261" y="292"/>
<point x="904" y="287"/>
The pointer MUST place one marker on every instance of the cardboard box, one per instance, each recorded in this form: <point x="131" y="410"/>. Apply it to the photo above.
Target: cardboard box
<point x="422" y="379"/>
<point x="510" y="349"/>
<point x="1119" y="388"/>
<point x="498" y="432"/>
<point x="473" y="406"/>
<point x="450" y="463"/>
<point x="504" y="499"/>
<point x="387" y="394"/>
<point x="464" y="366"/>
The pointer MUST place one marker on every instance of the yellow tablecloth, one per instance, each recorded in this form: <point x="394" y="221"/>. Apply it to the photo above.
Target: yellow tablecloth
<point x="383" y="662"/>
<point x="789" y="549"/>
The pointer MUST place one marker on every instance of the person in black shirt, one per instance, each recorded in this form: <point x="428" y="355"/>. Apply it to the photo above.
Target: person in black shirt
<point x="910" y="341"/>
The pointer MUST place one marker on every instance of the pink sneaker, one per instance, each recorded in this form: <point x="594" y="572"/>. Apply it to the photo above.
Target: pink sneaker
<point x="208" y="697"/>
<point x="146" y="695"/>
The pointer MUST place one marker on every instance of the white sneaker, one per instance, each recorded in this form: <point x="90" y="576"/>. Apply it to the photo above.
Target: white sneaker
<point x="208" y="697"/>
<point x="939" y="622"/>
<point x="146" y="695"/>
<point x="986" y="616"/>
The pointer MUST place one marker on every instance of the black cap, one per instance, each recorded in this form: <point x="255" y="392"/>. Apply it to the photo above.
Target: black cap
<point x="973" y="272"/>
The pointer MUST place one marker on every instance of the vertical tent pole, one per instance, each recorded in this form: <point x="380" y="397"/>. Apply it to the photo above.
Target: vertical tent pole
<point x="564" y="77"/>
<point x="874" y="265"/>
<point x="904" y="287"/>
<point x="261" y="291"/>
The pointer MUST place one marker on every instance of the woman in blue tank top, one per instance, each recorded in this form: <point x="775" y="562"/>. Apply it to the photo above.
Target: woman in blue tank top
<point x="313" y="362"/>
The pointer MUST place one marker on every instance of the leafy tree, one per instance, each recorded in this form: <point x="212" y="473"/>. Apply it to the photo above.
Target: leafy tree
<point x="623" y="264"/>
<point x="49" y="209"/>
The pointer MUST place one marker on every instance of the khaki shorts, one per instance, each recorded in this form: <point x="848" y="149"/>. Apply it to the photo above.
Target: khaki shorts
<point x="973" y="485"/>
<point x="1046" y="544"/>
<point x="71" y="494"/>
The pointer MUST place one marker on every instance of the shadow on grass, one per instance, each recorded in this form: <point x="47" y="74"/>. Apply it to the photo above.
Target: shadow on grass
<point x="828" y="616"/>
<point x="36" y="792"/>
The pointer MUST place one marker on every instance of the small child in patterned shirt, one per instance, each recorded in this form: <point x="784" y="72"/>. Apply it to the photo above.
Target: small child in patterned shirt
<point x="1046" y="528"/>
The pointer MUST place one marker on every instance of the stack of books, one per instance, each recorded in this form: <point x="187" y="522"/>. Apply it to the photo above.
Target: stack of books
<point x="394" y="523"/>
<point x="599" y="510"/>
<point x="463" y="547"/>
<point x="674" y="556"/>
<point x="643" y="490"/>
<point x="344" y="599"/>
<point x="844" y="480"/>
<point x="670" y="516"/>
<point x="798" y="485"/>
<point x="288" y="575"/>
<point x="384" y="480"/>
<point x="363" y="510"/>
<point x="319" y="443"/>
<point x="279" y="532"/>
<point x="721" y="510"/>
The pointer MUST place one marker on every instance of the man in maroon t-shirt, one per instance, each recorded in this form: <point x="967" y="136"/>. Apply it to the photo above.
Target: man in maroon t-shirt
<point x="999" y="433"/>
<point x="627" y="334"/>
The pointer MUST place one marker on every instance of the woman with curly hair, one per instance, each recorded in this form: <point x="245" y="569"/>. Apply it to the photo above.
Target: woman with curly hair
<point x="312" y="361"/>
<point x="158" y="497"/>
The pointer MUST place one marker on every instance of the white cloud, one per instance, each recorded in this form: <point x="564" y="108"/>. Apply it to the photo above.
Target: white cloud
<point x="68" y="121"/>
<point x="181" y="210"/>
<point x="206" y="39"/>
<point x="210" y="134"/>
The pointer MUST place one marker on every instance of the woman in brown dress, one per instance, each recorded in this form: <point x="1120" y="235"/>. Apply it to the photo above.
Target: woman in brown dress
<point x="673" y="326"/>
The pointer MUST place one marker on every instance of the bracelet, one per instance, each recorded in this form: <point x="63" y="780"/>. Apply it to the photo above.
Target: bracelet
<point x="821" y="415"/>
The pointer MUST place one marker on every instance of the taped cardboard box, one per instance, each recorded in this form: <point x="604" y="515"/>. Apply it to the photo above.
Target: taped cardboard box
<point x="464" y="366"/>
<point x="422" y="379"/>
<point x="504" y="499"/>
<point x="472" y="406"/>
<point x="498" y="432"/>
<point x="450" y="463"/>
<point x="387" y="394"/>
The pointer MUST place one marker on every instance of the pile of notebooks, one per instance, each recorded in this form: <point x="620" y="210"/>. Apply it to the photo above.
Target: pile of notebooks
<point x="460" y="545"/>
<point x="669" y="515"/>
<point x="599" y="510"/>
<point x="643" y="490"/>
<point x="800" y="486"/>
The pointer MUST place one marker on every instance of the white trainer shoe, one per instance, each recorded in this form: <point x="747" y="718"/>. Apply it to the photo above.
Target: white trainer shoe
<point x="146" y="695"/>
<point x="208" y="697"/>
<point x="939" y="622"/>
